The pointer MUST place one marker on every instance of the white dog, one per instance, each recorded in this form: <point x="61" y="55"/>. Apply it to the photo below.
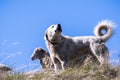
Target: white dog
<point x="67" y="49"/>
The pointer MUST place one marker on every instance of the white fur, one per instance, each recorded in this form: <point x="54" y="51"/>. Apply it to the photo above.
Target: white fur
<point x="68" y="49"/>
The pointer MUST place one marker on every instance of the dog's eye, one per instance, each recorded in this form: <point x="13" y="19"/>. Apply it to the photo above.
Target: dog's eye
<point x="52" y="26"/>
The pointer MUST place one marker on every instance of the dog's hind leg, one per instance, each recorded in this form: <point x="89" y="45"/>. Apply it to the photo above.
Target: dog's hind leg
<point x="100" y="51"/>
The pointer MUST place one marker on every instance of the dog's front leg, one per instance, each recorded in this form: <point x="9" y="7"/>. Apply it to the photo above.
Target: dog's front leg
<point x="55" y="67"/>
<point x="62" y="65"/>
<point x="55" y="64"/>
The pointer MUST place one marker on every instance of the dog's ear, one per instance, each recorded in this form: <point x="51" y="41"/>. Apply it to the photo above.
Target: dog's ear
<point x="45" y="36"/>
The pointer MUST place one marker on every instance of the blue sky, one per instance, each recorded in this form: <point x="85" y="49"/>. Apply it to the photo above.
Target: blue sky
<point x="23" y="23"/>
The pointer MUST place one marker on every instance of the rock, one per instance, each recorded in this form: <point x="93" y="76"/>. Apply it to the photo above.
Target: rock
<point x="4" y="69"/>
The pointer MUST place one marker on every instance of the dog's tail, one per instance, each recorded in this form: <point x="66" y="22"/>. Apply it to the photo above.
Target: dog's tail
<point x="104" y="30"/>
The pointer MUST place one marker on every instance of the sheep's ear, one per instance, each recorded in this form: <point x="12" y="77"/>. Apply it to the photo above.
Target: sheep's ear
<point x="45" y="36"/>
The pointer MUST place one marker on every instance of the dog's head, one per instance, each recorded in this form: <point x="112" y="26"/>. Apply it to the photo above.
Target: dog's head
<point x="53" y="32"/>
<point x="38" y="53"/>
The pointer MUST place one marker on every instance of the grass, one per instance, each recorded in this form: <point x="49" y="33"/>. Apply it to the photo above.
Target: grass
<point x="16" y="76"/>
<point x="86" y="72"/>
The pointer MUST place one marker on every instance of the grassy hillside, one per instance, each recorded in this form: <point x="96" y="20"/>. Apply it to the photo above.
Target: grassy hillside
<point x="86" y="72"/>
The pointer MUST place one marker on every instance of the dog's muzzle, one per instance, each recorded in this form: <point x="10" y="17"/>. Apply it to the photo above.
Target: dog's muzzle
<point x="59" y="29"/>
<point x="32" y="58"/>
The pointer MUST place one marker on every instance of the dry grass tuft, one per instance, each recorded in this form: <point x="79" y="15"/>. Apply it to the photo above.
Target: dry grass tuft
<point x="86" y="72"/>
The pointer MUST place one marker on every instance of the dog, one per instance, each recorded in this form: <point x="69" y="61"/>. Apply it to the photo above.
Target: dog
<point x="43" y="57"/>
<point x="68" y="49"/>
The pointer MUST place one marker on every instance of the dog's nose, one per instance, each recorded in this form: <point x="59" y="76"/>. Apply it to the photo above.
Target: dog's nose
<point x="32" y="58"/>
<point x="59" y="27"/>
